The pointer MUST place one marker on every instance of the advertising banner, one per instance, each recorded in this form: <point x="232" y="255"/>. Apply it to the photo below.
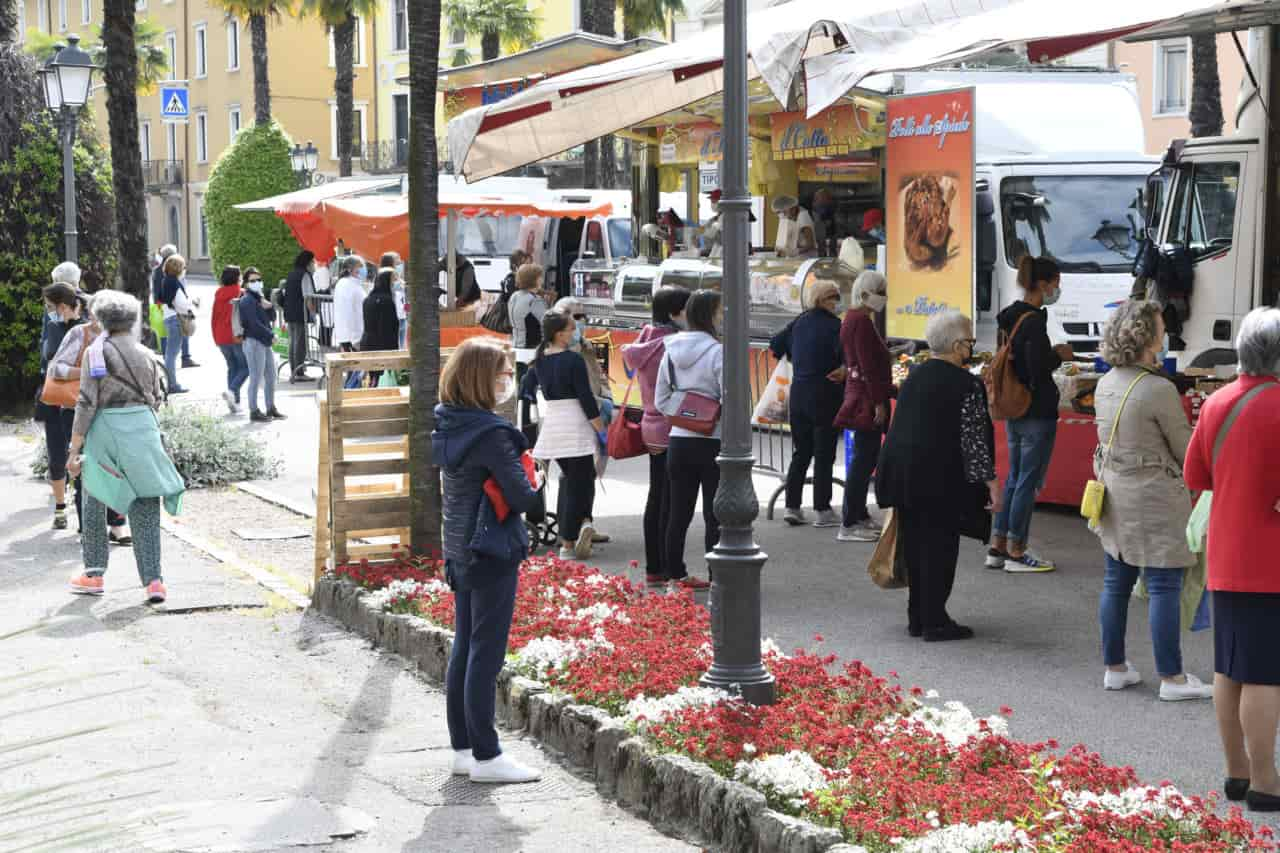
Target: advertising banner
<point x="689" y="144"/>
<point x="929" y="208"/>
<point x="833" y="132"/>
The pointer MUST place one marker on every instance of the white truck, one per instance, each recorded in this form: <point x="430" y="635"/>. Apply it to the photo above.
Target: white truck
<point x="1059" y="169"/>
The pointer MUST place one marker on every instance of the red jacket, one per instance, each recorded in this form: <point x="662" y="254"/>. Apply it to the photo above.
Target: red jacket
<point x="221" y="320"/>
<point x="643" y="358"/>
<point x="1244" y="526"/>
<point x="870" y="379"/>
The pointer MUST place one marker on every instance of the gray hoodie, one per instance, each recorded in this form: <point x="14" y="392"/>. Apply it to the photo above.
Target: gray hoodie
<point x="698" y="359"/>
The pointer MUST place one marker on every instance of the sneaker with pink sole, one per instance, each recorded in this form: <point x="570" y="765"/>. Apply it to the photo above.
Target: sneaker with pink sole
<point x="83" y="584"/>
<point x="155" y="593"/>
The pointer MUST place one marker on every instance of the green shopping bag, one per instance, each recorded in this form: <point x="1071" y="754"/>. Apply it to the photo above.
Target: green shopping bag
<point x="280" y="342"/>
<point x="156" y="320"/>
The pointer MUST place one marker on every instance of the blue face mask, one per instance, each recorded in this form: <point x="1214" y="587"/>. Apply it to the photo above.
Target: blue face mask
<point x="54" y="317"/>
<point x="358" y="273"/>
<point x="577" y="335"/>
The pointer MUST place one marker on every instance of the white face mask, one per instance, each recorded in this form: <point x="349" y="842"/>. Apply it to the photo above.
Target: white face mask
<point x="876" y="301"/>
<point x="1052" y="298"/>
<point x="505" y="389"/>
<point x="255" y="285"/>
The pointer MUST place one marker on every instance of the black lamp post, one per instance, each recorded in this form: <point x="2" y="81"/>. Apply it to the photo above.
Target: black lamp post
<point x="67" y="79"/>
<point x="305" y="161"/>
<point x="737" y="560"/>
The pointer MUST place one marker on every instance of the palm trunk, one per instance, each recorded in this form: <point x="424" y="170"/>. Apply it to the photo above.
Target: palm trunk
<point x="490" y="45"/>
<point x="261" y="80"/>
<point x="9" y="20"/>
<point x="590" y="164"/>
<point x="423" y="272"/>
<point x="600" y="162"/>
<point x="1206" y="89"/>
<point x="121" y="73"/>
<point x="608" y="163"/>
<point x="344" y="41"/>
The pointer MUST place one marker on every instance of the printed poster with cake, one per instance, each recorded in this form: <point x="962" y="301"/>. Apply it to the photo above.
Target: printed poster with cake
<point x="929" y="200"/>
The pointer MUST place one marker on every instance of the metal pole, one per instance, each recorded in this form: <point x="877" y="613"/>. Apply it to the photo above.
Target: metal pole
<point x="67" y="126"/>
<point x="737" y="560"/>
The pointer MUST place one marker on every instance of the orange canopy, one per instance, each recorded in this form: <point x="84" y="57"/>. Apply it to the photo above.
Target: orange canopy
<point x="373" y="225"/>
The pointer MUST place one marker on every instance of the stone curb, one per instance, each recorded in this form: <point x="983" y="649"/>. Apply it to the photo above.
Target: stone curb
<point x="678" y="795"/>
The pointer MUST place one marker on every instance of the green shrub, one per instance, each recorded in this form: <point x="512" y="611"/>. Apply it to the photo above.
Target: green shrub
<point x="206" y="450"/>
<point x="255" y="166"/>
<point x="31" y="220"/>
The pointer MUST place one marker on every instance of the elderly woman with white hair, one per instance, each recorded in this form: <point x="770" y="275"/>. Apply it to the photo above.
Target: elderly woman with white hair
<point x="1143" y="434"/>
<point x="116" y="446"/>
<point x="812" y="343"/>
<point x="937" y="471"/>
<point x="62" y="308"/>
<point x="868" y="387"/>
<point x="1232" y="452"/>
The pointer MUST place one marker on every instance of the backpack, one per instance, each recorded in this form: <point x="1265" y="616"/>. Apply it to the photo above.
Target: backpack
<point x="1009" y="398"/>
<point x="237" y="325"/>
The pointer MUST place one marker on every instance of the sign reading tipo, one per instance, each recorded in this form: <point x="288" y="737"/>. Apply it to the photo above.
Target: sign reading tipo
<point x="834" y="132"/>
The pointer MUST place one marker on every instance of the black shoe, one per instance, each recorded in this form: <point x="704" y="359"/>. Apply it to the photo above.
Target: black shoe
<point x="950" y="632"/>
<point x="258" y="418"/>
<point x="1235" y="788"/>
<point x="178" y="390"/>
<point x="1260" y="802"/>
<point x="915" y="631"/>
<point x="274" y="414"/>
<point x="186" y="362"/>
<point x="116" y="539"/>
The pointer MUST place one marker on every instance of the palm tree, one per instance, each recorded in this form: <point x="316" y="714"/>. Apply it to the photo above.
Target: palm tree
<point x="423" y="272"/>
<point x="120" y="68"/>
<point x="1206" y="88"/>
<point x="8" y="21"/>
<point x="643" y="16"/>
<point x="498" y="23"/>
<point x="153" y="60"/>
<point x="340" y="17"/>
<point x="256" y="13"/>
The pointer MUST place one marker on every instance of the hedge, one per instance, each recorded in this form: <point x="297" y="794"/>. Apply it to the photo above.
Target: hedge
<point x="255" y="166"/>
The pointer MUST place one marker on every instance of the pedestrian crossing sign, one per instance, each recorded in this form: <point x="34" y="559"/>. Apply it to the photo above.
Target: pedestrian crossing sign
<point x="175" y="103"/>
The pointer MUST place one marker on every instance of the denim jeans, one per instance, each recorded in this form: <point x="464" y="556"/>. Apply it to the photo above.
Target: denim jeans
<point x="262" y="371"/>
<point x="1164" y="612"/>
<point x="1030" y="448"/>
<point x="482" y="621"/>
<point x="237" y="367"/>
<point x="172" y="332"/>
<point x="866" y="453"/>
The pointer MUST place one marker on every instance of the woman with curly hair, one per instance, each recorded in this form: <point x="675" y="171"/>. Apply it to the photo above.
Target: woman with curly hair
<point x="1143" y="435"/>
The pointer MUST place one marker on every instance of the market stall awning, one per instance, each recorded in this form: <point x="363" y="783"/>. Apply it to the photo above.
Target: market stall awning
<point x="832" y="51"/>
<point x="311" y="196"/>
<point x="546" y="58"/>
<point x="372" y="225"/>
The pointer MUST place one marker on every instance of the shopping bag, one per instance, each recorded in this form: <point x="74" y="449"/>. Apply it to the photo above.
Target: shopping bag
<point x="391" y="379"/>
<point x="625" y="440"/>
<point x="888" y="567"/>
<point x="772" y="407"/>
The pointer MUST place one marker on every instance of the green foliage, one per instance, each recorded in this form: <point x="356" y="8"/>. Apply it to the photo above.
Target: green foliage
<point x="642" y="16"/>
<point x="255" y="166"/>
<point x="334" y="12"/>
<point x="514" y="23"/>
<point x="31" y="210"/>
<point x="153" y="60"/>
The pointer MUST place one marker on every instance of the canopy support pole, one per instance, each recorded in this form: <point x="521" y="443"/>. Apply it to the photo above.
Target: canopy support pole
<point x="452" y="296"/>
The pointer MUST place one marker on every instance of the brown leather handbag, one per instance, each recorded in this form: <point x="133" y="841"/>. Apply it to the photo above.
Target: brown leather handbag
<point x="1009" y="399"/>
<point x="64" y="393"/>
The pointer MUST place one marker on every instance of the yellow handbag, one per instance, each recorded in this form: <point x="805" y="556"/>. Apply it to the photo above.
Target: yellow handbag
<point x="1095" y="494"/>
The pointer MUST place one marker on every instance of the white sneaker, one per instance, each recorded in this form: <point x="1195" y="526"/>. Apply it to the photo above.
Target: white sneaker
<point x="463" y="762"/>
<point x="1121" y="680"/>
<point x="567" y="554"/>
<point x="230" y="400"/>
<point x="863" y="531"/>
<point x="504" y="770"/>
<point x="1192" y="688"/>
<point x="826" y="518"/>
<point x="582" y="548"/>
<point x="794" y="517"/>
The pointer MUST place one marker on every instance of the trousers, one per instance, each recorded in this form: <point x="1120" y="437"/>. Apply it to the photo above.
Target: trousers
<point x="262" y="373"/>
<point x="857" y="480"/>
<point x="297" y="346"/>
<point x="237" y="367"/>
<point x="577" y="494"/>
<point x="691" y="468"/>
<point x="1030" y="448"/>
<point x="811" y="441"/>
<point x="172" y="332"/>
<point x="144" y="518"/>
<point x="482" y="622"/>
<point x="1164" y="613"/>
<point x="931" y="554"/>
<point x="657" y="514"/>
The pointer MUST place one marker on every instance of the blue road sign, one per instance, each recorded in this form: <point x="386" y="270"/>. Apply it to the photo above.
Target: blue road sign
<point x="175" y="103"/>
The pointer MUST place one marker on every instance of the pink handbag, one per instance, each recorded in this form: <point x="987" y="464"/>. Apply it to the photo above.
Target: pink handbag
<point x="696" y="412"/>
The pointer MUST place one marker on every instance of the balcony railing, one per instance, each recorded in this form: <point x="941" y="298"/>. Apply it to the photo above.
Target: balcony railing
<point x="383" y="155"/>
<point x="160" y="174"/>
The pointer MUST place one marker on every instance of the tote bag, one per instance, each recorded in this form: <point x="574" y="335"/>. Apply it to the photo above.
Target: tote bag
<point x="774" y="404"/>
<point x="888" y="566"/>
<point x="64" y="393"/>
<point x="625" y="440"/>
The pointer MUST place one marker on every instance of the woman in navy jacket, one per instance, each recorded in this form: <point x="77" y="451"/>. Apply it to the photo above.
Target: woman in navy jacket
<point x="256" y="317"/>
<point x="472" y="444"/>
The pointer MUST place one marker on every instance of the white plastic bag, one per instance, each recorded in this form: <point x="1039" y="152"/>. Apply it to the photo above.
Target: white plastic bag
<point x="773" y="407"/>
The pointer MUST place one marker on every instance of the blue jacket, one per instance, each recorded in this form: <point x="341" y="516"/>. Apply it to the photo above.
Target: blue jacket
<point x="812" y="342"/>
<point x="255" y="319"/>
<point x="470" y="446"/>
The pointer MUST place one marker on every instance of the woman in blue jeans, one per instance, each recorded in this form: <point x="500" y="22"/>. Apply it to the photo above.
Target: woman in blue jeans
<point x="1143" y="435"/>
<point x="174" y="300"/>
<point x="1024" y="324"/>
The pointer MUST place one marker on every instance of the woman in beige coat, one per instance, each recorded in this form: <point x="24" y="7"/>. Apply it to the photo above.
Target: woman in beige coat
<point x="1142" y="440"/>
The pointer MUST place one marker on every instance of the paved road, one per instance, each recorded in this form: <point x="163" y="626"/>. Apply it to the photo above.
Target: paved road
<point x="1037" y="648"/>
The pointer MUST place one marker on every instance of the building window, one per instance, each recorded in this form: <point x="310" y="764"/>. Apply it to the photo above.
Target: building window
<point x="202" y="137"/>
<point x="202" y="230"/>
<point x="457" y="37"/>
<point x="175" y="225"/>
<point x="171" y="47"/>
<point x="62" y="15"/>
<point x="233" y="121"/>
<point x="401" y="104"/>
<point x="86" y="11"/>
<point x="202" y="51"/>
<point x="141" y="4"/>
<point x="357" y="53"/>
<point x="400" y="25"/>
<point x="1173" y="77"/>
<point x="233" y="45"/>
<point x="171" y="141"/>
<point x="42" y="14"/>
<point x="144" y="140"/>
<point x="357" y="128"/>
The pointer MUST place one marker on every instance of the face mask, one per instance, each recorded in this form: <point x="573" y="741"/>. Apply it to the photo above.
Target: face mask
<point x="680" y="323"/>
<point x="875" y="301"/>
<point x="54" y="317"/>
<point x="577" y="336"/>
<point x="255" y="285"/>
<point x="358" y="273"/>
<point x="505" y="389"/>
<point x="1052" y="298"/>
<point x="400" y="270"/>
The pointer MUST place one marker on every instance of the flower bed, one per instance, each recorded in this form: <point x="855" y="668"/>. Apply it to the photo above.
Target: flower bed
<point x="891" y="769"/>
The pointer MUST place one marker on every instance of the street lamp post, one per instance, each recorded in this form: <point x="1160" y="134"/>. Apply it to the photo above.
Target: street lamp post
<point x="305" y="161"/>
<point x="67" y="78"/>
<point x="737" y="560"/>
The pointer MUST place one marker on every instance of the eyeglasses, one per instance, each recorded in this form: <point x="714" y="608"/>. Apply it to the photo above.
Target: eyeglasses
<point x="581" y="318"/>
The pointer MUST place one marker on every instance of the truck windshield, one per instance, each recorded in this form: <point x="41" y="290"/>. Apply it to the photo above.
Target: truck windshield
<point x="483" y="236"/>
<point x="620" y="237"/>
<point x="1087" y="223"/>
<point x="1204" y="208"/>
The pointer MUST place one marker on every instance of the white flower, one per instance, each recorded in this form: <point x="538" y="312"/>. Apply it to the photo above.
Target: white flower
<point x="1157" y="802"/>
<point x="790" y="776"/>
<point x="655" y="709"/>
<point x="401" y="589"/>
<point x="769" y="646"/>
<point x="602" y="612"/>
<point x="749" y="749"/>
<point x="544" y="654"/>
<point x="931" y="694"/>
<point x="953" y="721"/>
<point x="958" y="837"/>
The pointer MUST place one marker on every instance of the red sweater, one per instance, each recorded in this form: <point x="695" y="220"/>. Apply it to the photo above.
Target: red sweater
<point x="1244" y="526"/>
<point x="221" y="320"/>
<point x="870" y="379"/>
